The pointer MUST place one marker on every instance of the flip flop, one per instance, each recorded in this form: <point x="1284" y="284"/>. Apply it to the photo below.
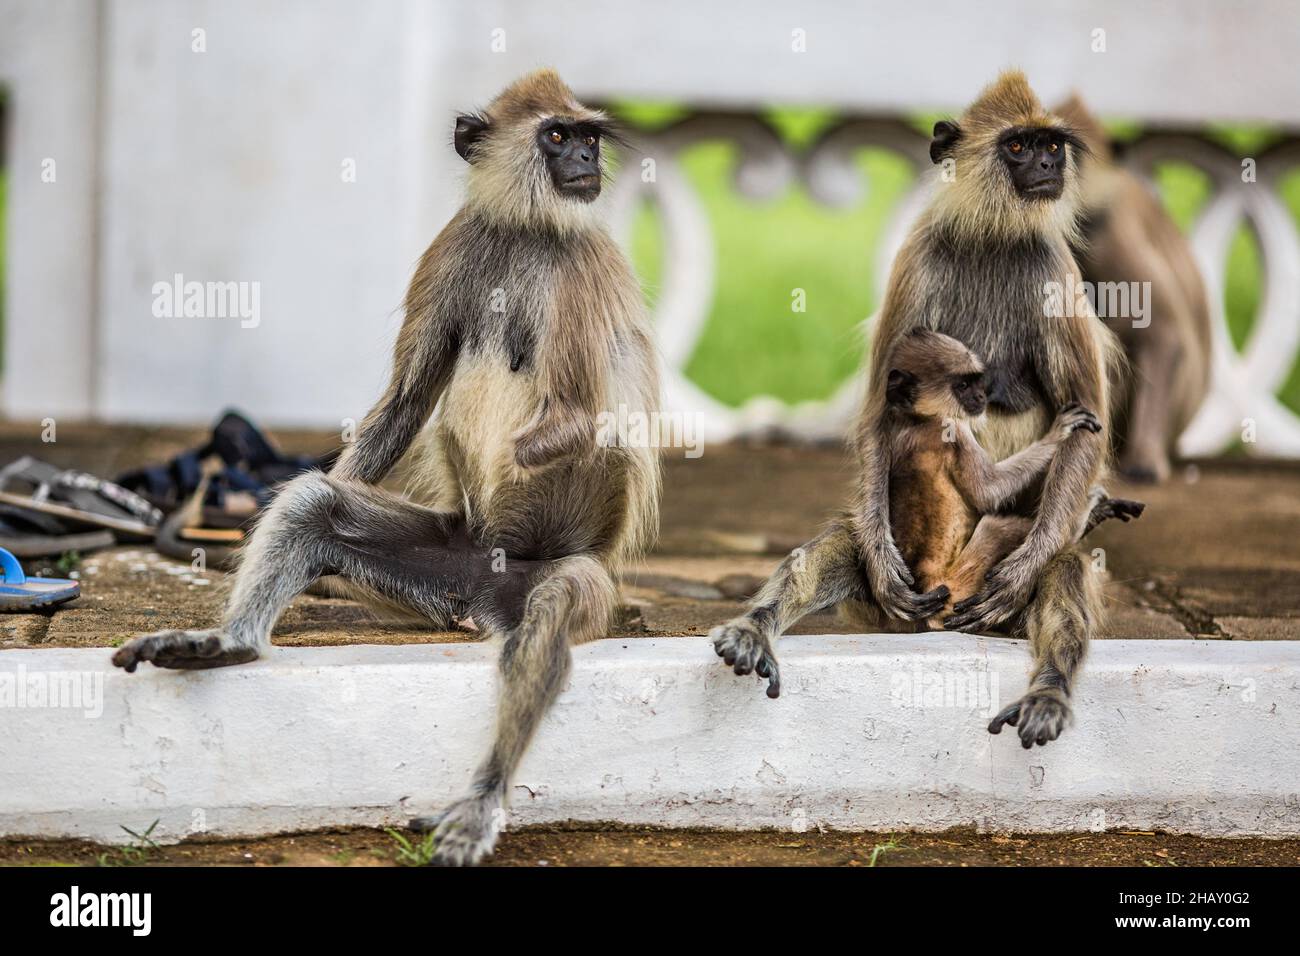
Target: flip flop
<point x="31" y="534"/>
<point x="235" y="443"/>
<point x="216" y="518"/>
<point x="78" y="496"/>
<point x="21" y="593"/>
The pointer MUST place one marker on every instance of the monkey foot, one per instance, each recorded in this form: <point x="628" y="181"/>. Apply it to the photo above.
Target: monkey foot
<point x="182" y="650"/>
<point x="746" y="649"/>
<point x="1144" y="470"/>
<point x="465" y="832"/>
<point x="1125" y="509"/>
<point x="1039" y="717"/>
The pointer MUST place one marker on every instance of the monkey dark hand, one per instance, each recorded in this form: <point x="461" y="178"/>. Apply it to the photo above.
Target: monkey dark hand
<point x="891" y="583"/>
<point x="1071" y="418"/>
<point x="1007" y="589"/>
<point x="746" y="648"/>
<point x="555" y="438"/>
<point x="1039" y="716"/>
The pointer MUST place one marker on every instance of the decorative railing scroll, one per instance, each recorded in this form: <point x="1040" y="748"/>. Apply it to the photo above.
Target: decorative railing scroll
<point x="1244" y="385"/>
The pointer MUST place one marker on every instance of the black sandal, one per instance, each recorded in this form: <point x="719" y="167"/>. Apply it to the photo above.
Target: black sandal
<point x="32" y="534"/>
<point x="235" y="443"/>
<point x="77" y="496"/>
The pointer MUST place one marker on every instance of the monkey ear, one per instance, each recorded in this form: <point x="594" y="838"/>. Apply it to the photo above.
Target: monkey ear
<point x="900" y="389"/>
<point x="469" y="130"/>
<point x="946" y="137"/>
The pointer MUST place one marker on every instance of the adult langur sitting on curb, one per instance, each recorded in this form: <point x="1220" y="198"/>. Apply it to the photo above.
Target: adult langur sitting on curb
<point x="982" y="265"/>
<point x="524" y="323"/>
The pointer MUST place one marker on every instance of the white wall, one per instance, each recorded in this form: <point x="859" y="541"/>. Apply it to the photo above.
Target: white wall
<point x="225" y="165"/>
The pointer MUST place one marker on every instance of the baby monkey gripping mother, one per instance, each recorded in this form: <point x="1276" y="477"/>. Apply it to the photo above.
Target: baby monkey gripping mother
<point x="979" y="265"/>
<point x="946" y="495"/>
<point x="945" y="492"/>
<point x="524" y="323"/>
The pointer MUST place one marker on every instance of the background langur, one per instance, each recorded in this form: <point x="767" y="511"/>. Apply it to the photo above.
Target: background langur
<point x="1127" y="237"/>
<point x="524" y="323"/>
<point x="978" y="266"/>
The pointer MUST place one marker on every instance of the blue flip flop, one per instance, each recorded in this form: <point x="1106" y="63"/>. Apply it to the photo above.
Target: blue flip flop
<point x="18" y="592"/>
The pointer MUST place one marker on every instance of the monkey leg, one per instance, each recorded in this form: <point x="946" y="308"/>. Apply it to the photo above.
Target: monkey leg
<point x="571" y="603"/>
<point x="822" y="573"/>
<point x="1150" y="419"/>
<point x="1064" y="613"/>
<point x="318" y="525"/>
<point x="993" y="539"/>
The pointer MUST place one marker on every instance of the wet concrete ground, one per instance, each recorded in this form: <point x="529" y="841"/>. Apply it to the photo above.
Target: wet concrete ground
<point x="1217" y="553"/>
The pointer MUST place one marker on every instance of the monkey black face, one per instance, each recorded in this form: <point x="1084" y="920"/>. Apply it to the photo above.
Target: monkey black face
<point x="1036" y="159"/>
<point x="572" y="155"/>
<point x="969" y="391"/>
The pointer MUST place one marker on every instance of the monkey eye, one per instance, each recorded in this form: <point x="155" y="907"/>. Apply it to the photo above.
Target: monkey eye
<point x="590" y="141"/>
<point x="557" y="136"/>
<point x="1016" y="146"/>
<point x="962" y="386"/>
<point x="1053" y="147"/>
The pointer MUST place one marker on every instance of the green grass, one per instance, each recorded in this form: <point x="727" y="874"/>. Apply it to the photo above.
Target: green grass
<point x="138" y="852"/>
<point x="408" y="853"/>
<point x="756" y="344"/>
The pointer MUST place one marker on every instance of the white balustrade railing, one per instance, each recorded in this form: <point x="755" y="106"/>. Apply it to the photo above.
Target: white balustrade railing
<point x="1244" y="384"/>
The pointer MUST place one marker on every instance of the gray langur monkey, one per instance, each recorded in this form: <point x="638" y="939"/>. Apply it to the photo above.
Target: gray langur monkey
<point x="525" y="329"/>
<point x="1126" y="237"/>
<point x="979" y="265"/>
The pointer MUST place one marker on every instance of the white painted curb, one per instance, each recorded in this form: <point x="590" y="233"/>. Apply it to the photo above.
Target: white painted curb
<point x="1189" y="736"/>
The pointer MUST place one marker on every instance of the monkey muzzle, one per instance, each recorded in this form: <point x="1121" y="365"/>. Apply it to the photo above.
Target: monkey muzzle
<point x="577" y="176"/>
<point x="585" y="186"/>
<point x="1048" y="187"/>
<point x="974" y="402"/>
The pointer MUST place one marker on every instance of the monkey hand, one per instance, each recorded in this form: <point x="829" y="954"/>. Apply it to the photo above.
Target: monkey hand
<point x="891" y="583"/>
<point x="748" y="649"/>
<point x="1039" y="716"/>
<point x="553" y="439"/>
<point x="1007" y="589"/>
<point x="1071" y="418"/>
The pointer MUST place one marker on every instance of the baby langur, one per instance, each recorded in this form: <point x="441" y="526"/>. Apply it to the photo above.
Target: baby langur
<point x="945" y="491"/>
<point x="525" y="331"/>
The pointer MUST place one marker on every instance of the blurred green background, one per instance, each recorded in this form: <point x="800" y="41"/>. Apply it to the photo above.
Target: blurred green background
<point x="755" y="344"/>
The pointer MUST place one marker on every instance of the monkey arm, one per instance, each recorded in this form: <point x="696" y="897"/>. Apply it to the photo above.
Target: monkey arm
<point x="422" y="365"/>
<point x="988" y="486"/>
<point x="891" y="581"/>
<point x="1066" y="487"/>
<point x="562" y="429"/>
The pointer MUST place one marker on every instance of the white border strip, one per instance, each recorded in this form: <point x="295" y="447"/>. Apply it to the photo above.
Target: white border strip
<point x="1186" y="736"/>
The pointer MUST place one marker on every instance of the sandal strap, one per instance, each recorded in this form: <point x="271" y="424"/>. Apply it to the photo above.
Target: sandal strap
<point x="13" y="571"/>
<point x="66" y="486"/>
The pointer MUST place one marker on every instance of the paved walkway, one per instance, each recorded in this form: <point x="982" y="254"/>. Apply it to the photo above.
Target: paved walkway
<point x="1216" y="555"/>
